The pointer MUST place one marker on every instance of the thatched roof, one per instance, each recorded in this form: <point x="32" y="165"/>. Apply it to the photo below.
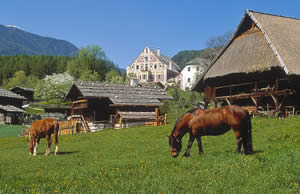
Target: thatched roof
<point x="260" y="42"/>
<point x="9" y="94"/>
<point x="119" y="94"/>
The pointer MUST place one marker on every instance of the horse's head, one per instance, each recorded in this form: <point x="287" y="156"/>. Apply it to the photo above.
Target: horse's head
<point x="175" y="146"/>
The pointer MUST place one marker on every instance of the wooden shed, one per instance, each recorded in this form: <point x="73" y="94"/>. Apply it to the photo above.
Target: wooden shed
<point x="106" y="102"/>
<point x="10" y="114"/>
<point x="26" y="92"/>
<point x="9" y="98"/>
<point x="259" y="66"/>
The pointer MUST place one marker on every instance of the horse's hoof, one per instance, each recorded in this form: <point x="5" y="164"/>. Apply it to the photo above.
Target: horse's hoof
<point x="30" y="153"/>
<point x="186" y="155"/>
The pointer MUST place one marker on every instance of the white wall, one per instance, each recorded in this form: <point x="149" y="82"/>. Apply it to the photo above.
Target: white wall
<point x="188" y="76"/>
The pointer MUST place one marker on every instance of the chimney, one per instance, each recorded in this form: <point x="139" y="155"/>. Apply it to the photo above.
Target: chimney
<point x="158" y="51"/>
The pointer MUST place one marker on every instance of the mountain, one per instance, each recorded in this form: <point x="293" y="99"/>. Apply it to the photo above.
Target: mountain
<point x="182" y="57"/>
<point x="15" y="41"/>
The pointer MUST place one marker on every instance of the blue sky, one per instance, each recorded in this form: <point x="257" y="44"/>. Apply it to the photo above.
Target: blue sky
<point x="124" y="27"/>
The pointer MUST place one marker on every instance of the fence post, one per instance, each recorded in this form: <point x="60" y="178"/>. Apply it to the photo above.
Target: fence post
<point x="156" y="116"/>
<point x="165" y="118"/>
<point x="120" y="122"/>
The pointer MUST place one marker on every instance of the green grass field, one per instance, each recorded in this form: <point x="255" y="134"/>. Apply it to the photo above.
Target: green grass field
<point x="138" y="160"/>
<point x="10" y="130"/>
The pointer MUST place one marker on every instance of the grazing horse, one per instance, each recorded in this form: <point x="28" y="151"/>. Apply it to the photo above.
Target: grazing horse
<point x="199" y="122"/>
<point x="41" y="129"/>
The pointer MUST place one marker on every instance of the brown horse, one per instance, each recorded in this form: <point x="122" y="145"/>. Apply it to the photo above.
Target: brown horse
<point x="41" y="129"/>
<point x="198" y="122"/>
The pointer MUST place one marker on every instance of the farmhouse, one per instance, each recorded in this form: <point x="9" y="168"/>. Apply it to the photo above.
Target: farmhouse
<point x="151" y="66"/>
<point x="107" y="102"/>
<point x="190" y="72"/>
<point x="259" y="67"/>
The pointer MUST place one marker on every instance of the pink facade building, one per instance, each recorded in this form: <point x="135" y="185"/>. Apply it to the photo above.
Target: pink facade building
<point x="151" y="66"/>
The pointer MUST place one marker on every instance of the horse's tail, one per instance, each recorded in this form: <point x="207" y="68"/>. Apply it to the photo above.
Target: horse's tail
<point x="55" y="135"/>
<point x="247" y="137"/>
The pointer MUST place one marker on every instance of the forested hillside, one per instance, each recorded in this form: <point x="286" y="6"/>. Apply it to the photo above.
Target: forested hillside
<point x="15" y="41"/>
<point x="50" y="75"/>
<point x="185" y="56"/>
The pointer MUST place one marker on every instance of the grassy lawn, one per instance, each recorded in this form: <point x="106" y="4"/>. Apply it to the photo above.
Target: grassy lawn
<point x="10" y="130"/>
<point x="138" y="160"/>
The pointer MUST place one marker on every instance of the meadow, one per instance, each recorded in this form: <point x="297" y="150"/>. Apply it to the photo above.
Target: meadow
<point x="138" y="160"/>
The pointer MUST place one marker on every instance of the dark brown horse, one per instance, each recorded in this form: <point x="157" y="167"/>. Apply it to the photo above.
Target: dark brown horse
<point x="198" y="122"/>
<point x="43" y="129"/>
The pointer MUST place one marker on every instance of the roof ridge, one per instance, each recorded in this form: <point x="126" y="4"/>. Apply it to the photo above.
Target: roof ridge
<point x="270" y="42"/>
<point x="273" y="14"/>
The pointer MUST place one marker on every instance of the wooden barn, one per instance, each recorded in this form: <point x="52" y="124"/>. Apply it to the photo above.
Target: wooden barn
<point x="258" y="68"/>
<point x="26" y="92"/>
<point x="10" y="114"/>
<point x="107" y="102"/>
<point x="9" y="98"/>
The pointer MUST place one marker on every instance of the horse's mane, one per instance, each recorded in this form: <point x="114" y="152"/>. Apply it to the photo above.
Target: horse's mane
<point x="179" y="119"/>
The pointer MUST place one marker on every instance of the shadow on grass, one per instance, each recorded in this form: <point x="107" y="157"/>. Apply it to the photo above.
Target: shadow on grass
<point x="59" y="153"/>
<point x="67" y="153"/>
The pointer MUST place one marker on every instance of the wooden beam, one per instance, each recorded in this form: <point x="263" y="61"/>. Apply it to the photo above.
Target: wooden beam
<point x="255" y="100"/>
<point x="228" y="100"/>
<point x="275" y="99"/>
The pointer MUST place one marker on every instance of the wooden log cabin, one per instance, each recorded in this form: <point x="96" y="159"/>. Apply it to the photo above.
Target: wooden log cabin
<point x="10" y="107"/>
<point x="107" y="102"/>
<point x="259" y="67"/>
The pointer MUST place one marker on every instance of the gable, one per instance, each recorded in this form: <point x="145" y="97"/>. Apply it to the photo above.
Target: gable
<point x="284" y="34"/>
<point x="248" y="52"/>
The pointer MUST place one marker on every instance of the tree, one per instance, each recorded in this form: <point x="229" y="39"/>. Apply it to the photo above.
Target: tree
<point x="218" y="42"/>
<point x="89" y="59"/>
<point x="114" y="76"/>
<point x="53" y="86"/>
<point x="20" y="79"/>
<point x="90" y="75"/>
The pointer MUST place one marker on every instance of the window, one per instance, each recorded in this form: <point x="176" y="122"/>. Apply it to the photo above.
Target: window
<point x="189" y="68"/>
<point x="146" y="67"/>
<point x="146" y="58"/>
<point x="146" y="50"/>
<point x="144" y="76"/>
<point x="137" y="67"/>
<point x="155" y="66"/>
<point x="189" y="80"/>
<point x="158" y="77"/>
<point x="198" y="68"/>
